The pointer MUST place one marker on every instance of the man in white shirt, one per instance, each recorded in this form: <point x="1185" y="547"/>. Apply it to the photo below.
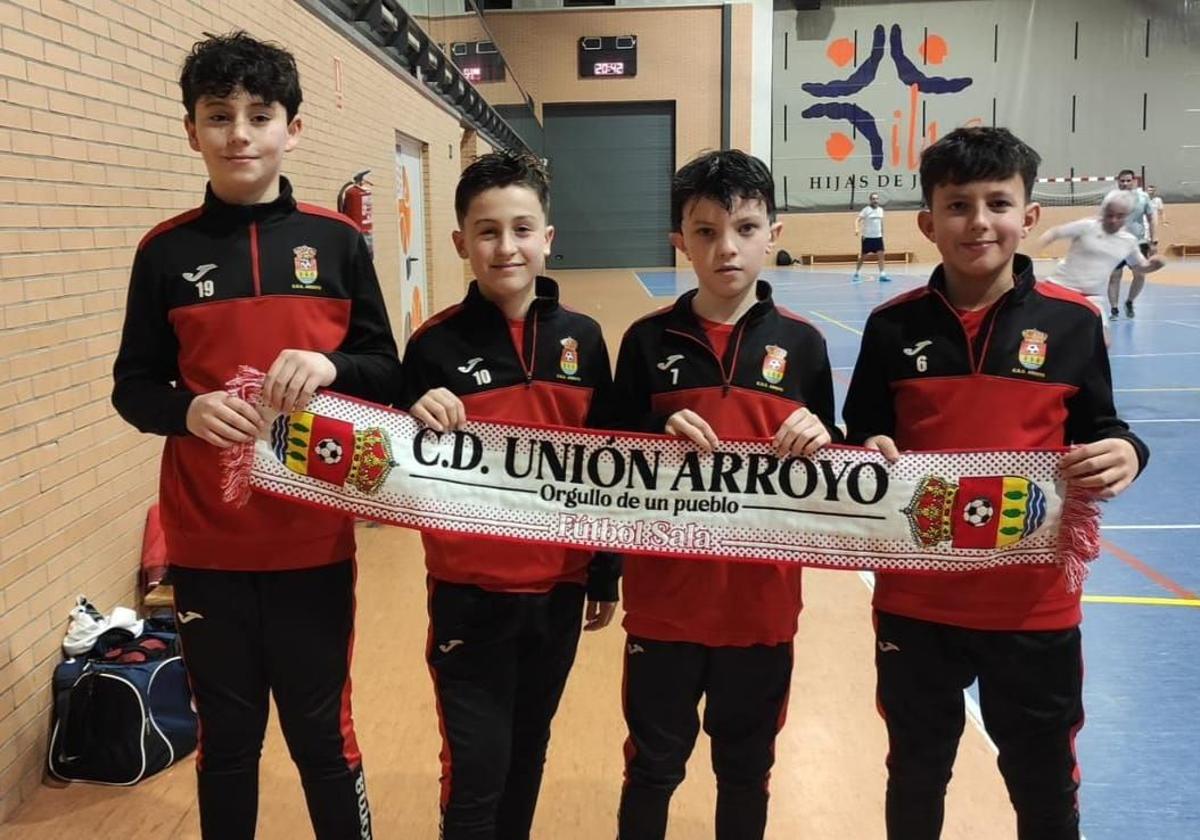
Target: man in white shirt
<point x="868" y="226"/>
<point x="1142" y="222"/>
<point x="1097" y="245"/>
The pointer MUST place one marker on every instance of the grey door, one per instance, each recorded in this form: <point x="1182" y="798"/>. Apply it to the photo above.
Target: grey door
<point x="610" y="194"/>
<point x="520" y="118"/>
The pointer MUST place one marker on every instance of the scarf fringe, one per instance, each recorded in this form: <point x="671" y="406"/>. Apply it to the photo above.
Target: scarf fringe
<point x="238" y="460"/>
<point x="1078" y="536"/>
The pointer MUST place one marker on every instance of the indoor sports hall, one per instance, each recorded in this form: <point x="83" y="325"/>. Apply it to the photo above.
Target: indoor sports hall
<point x="839" y="98"/>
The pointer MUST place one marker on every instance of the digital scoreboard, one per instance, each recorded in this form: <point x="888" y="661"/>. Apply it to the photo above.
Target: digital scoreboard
<point x="608" y="55"/>
<point x="478" y="61"/>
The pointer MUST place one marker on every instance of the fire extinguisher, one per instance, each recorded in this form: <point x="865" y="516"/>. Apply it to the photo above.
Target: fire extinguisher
<point x="354" y="200"/>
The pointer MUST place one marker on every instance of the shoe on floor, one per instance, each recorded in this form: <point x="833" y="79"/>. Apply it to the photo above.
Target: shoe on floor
<point x="883" y="278"/>
<point x="1113" y="312"/>
<point x="857" y="278"/>
<point x="1128" y="309"/>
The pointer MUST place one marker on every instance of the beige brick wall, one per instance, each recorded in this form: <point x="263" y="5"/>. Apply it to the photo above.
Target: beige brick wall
<point x="92" y="154"/>
<point x="542" y="49"/>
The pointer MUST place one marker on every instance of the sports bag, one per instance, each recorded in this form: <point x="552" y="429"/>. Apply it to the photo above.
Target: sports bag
<point x="122" y="715"/>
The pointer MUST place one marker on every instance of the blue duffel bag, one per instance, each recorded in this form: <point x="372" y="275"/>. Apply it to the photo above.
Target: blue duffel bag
<point x="124" y="716"/>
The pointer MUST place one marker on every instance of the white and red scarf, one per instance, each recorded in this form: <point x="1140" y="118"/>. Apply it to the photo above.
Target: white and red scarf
<point x="843" y="508"/>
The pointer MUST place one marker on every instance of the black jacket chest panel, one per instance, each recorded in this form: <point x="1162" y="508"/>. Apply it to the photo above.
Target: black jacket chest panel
<point x="210" y="260"/>
<point x="769" y="356"/>
<point x="767" y="353"/>
<point x="923" y="338"/>
<point x="472" y="351"/>
<point x="224" y="252"/>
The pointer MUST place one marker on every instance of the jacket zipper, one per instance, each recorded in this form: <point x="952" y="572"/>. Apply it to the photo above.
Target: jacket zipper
<point x="976" y="368"/>
<point x="726" y="378"/>
<point x="528" y="368"/>
<point x="254" y="259"/>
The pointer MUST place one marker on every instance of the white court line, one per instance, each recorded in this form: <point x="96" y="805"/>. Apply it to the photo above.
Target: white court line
<point x="1150" y="527"/>
<point x="1153" y="355"/>
<point x="1154" y="390"/>
<point x="1184" y="324"/>
<point x="836" y="322"/>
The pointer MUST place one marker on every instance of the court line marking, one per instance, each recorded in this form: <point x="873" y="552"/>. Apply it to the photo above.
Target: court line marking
<point x="1147" y="570"/>
<point x="838" y="323"/>
<point x="1140" y="600"/>
<point x="1153" y="355"/>
<point x="1154" y="390"/>
<point x="778" y="284"/>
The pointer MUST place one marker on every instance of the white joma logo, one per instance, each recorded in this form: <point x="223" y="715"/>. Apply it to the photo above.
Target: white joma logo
<point x="450" y="645"/>
<point x="889" y="647"/>
<point x="634" y="647"/>
<point x="670" y="360"/>
<point x="917" y="348"/>
<point x="184" y="618"/>
<point x="201" y="270"/>
<point x="470" y="365"/>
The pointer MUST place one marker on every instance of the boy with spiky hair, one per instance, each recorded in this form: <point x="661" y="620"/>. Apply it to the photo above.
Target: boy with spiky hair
<point x="984" y="357"/>
<point x="253" y="277"/>
<point x="723" y="360"/>
<point x="504" y="617"/>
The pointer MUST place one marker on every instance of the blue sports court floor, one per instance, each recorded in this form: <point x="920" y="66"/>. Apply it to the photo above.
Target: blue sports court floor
<point x="1138" y="748"/>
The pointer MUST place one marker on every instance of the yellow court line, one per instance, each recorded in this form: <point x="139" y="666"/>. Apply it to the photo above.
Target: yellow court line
<point x="823" y="316"/>
<point x="1141" y="601"/>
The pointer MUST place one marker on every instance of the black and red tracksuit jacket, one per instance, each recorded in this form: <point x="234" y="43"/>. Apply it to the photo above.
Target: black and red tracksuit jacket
<point x="918" y="381"/>
<point x="225" y="285"/>
<point x="468" y="349"/>
<point x="666" y="364"/>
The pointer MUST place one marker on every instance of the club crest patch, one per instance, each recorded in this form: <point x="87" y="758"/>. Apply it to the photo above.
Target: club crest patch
<point x="305" y="260"/>
<point x="774" y="364"/>
<point x="978" y="512"/>
<point x="333" y="450"/>
<point x="568" y="360"/>
<point x="1032" y="354"/>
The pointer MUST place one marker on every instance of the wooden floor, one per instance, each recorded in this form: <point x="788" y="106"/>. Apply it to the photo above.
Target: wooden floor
<point x="828" y="778"/>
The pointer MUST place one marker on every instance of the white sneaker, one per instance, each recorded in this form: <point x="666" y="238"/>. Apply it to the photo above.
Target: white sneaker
<point x="87" y="625"/>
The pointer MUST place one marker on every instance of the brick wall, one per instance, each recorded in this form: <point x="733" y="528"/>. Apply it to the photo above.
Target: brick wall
<point x="542" y="48"/>
<point x="92" y="154"/>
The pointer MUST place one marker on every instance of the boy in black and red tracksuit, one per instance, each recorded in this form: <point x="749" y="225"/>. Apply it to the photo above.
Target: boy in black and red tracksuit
<point x="265" y="593"/>
<point x="723" y="360"/>
<point x="504" y="617"/>
<point x="985" y="357"/>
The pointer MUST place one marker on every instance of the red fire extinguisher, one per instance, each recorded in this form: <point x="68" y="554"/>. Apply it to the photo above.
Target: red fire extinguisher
<point x="354" y="200"/>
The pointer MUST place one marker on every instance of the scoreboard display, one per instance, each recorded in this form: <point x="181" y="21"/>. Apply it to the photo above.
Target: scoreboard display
<point x="478" y="61"/>
<point x="609" y="55"/>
